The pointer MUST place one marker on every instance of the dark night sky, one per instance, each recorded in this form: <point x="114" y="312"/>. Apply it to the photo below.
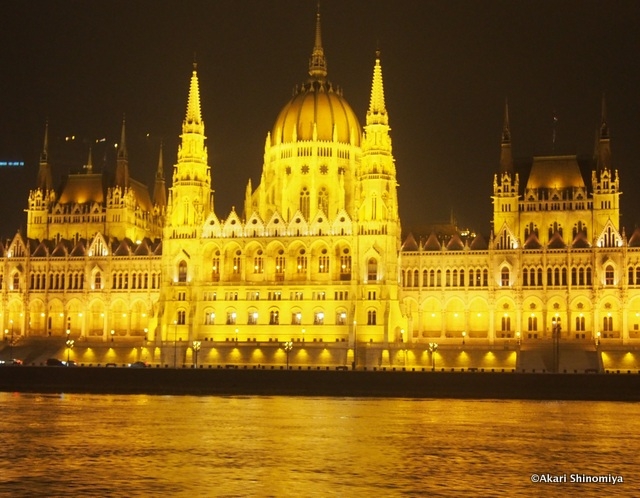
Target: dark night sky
<point x="447" y="68"/>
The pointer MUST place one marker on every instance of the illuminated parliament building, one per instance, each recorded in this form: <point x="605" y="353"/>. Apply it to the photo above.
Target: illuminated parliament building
<point x="316" y="253"/>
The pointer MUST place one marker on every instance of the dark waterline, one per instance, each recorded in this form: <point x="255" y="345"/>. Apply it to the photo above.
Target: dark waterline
<point x="134" y="445"/>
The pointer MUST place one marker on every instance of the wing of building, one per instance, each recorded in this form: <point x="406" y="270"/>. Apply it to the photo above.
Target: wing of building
<point x="316" y="254"/>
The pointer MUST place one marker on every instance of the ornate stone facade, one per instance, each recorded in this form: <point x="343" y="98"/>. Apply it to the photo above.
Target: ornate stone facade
<point x="316" y="255"/>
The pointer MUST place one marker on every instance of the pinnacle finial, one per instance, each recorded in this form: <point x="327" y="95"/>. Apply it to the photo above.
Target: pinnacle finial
<point x="44" y="156"/>
<point x="89" y="166"/>
<point x="122" y="146"/>
<point x="377" y="113"/>
<point x="604" y="127"/>
<point x="506" y="130"/>
<point x="317" y="63"/>
<point x="506" y="157"/>
<point x="193" y="104"/>
<point x="160" y="170"/>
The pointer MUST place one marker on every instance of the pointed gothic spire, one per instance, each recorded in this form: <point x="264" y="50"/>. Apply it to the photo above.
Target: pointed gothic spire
<point x="89" y="166"/>
<point x="159" y="191"/>
<point x="122" y="146"/>
<point x="377" y="113"/>
<point x="44" y="181"/>
<point x="44" y="156"/>
<point x="506" y="157"/>
<point x="122" y="161"/>
<point x="317" y="63"/>
<point x="193" y="104"/>
<point x="604" y="127"/>
<point x="603" y="145"/>
<point x="160" y="169"/>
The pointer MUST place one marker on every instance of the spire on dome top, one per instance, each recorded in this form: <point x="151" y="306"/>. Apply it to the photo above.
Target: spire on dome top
<point x="377" y="113"/>
<point x="317" y="63"/>
<point x="506" y="157"/>
<point x="122" y="146"/>
<point x="193" y="104"/>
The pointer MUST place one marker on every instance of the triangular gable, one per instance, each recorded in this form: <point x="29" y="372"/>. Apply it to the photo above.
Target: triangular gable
<point x="298" y="225"/>
<point x="432" y="243"/>
<point x="609" y="236"/>
<point x="61" y="249"/>
<point x="634" y="241"/>
<point x="212" y="226"/>
<point x="98" y="246"/>
<point x="455" y="243"/>
<point x="320" y="224"/>
<point x="342" y="223"/>
<point x="41" y="251"/>
<point x="276" y="225"/>
<point x="79" y="250"/>
<point x="580" y="241"/>
<point x="532" y="242"/>
<point x="556" y="242"/>
<point x="255" y="225"/>
<point x="409" y="244"/>
<point x="143" y="248"/>
<point x="232" y="226"/>
<point x="505" y="238"/>
<point x="156" y="247"/>
<point x="123" y="248"/>
<point x="17" y="248"/>
<point x="479" y="243"/>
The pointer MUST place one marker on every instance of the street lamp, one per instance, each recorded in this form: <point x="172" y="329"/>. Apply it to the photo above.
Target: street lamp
<point x="69" y="346"/>
<point x="598" y="339"/>
<point x="288" y="346"/>
<point x="113" y="332"/>
<point x="518" y="338"/>
<point x="464" y="335"/>
<point x="433" y="347"/>
<point x="196" y="349"/>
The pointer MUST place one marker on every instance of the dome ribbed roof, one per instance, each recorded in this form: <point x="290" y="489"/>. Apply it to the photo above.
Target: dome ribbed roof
<point x="316" y="103"/>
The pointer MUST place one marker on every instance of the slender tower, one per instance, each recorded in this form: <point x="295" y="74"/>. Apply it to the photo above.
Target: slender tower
<point x="378" y="222"/>
<point x="190" y="197"/>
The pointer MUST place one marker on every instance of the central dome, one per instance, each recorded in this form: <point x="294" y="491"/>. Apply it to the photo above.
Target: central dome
<point x="316" y="105"/>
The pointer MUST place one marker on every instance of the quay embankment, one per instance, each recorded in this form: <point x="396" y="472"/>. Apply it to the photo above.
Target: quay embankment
<point x="254" y="381"/>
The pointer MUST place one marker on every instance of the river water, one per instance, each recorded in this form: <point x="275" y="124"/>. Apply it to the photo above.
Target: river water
<point x="104" y="445"/>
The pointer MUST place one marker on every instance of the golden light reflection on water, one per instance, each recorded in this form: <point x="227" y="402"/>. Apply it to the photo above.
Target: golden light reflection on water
<point x="91" y="445"/>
